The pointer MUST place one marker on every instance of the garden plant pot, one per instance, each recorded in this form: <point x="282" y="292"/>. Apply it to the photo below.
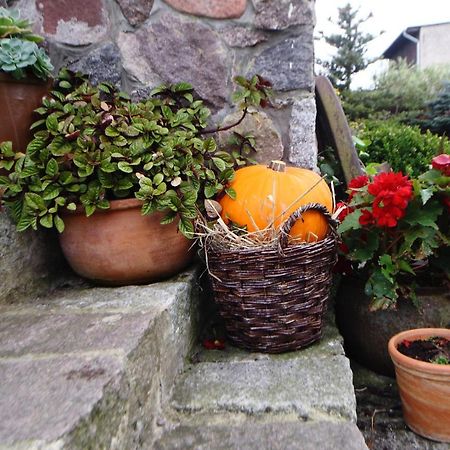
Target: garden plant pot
<point x="19" y="98"/>
<point x="366" y="333"/>
<point x="119" y="246"/>
<point x="424" y="387"/>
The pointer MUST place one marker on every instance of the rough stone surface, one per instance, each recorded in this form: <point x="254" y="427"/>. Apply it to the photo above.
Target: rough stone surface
<point x="71" y="22"/>
<point x="102" y="64"/>
<point x="303" y="145"/>
<point x="223" y="9"/>
<point x="136" y="11"/>
<point x="274" y="436"/>
<point x="259" y="125"/>
<point x="89" y="368"/>
<point x="281" y="14"/>
<point x="325" y="387"/>
<point x="174" y="50"/>
<point x="28" y="261"/>
<point x="240" y="36"/>
<point x="288" y="64"/>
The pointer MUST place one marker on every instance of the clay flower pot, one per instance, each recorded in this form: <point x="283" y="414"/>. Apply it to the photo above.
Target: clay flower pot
<point x="19" y="98"/>
<point x="120" y="246"/>
<point x="424" y="387"/>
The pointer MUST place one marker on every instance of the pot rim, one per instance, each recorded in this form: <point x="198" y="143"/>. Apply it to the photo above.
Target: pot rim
<point x="114" y="205"/>
<point x="7" y="78"/>
<point x="411" y="363"/>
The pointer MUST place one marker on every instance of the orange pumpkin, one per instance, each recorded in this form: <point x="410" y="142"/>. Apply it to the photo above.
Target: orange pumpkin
<point x="267" y="195"/>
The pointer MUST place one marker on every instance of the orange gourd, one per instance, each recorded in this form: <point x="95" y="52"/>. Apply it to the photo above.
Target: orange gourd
<point x="267" y="195"/>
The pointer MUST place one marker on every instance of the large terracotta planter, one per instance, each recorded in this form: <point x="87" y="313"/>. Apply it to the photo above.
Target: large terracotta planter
<point x="120" y="246"/>
<point x="424" y="387"/>
<point x="366" y="333"/>
<point x="18" y="100"/>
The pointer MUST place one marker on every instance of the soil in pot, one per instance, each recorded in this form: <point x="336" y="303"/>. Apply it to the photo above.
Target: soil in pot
<point x="119" y="246"/>
<point x="366" y="333"/>
<point x="424" y="387"/>
<point x="434" y="350"/>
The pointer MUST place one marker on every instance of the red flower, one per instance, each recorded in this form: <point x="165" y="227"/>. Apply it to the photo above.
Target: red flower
<point x="442" y="163"/>
<point x="214" y="344"/>
<point x="357" y="183"/>
<point x="366" y="218"/>
<point x="345" y="211"/>
<point x="392" y="192"/>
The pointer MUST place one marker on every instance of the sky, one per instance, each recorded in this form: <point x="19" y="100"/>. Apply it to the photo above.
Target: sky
<point x="390" y="16"/>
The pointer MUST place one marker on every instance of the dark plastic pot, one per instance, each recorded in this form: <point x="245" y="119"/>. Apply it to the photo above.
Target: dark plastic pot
<point x="366" y="333"/>
<point x="18" y="100"/>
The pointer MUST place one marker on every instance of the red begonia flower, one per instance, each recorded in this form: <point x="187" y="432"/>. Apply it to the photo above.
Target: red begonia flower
<point x="442" y="163"/>
<point x="344" y="212"/>
<point x="357" y="183"/>
<point x="366" y="218"/>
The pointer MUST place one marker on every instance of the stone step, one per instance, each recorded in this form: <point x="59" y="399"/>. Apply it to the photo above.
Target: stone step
<point x="93" y="367"/>
<point x="266" y="401"/>
<point x="285" y="435"/>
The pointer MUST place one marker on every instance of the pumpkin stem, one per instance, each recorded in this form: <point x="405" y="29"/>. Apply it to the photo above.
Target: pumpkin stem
<point x="278" y="166"/>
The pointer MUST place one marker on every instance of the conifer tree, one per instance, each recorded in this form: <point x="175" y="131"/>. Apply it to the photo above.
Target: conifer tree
<point x="350" y="44"/>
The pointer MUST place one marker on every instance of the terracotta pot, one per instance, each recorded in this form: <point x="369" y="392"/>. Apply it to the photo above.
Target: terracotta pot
<point x="19" y="98"/>
<point x="424" y="387"/>
<point x="366" y="333"/>
<point x="120" y="246"/>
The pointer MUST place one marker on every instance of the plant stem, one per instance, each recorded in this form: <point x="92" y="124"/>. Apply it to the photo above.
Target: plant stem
<point x="228" y="127"/>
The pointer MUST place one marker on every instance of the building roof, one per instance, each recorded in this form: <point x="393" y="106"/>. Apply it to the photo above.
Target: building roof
<point x="401" y="40"/>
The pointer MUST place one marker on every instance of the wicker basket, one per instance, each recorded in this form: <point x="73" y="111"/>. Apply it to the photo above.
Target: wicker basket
<point x="273" y="299"/>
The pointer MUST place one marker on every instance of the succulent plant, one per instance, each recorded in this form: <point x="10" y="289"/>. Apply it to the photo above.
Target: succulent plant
<point x="19" y="53"/>
<point x="12" y="26"/>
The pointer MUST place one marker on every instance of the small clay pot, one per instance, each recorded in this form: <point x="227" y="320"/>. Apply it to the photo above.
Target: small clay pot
<point x="19" y="98"/>
<point x="424" y="387"/>
<point x="119" y="246"/>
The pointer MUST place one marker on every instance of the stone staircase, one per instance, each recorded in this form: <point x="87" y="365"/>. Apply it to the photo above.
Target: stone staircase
<point x="98" y="368"/>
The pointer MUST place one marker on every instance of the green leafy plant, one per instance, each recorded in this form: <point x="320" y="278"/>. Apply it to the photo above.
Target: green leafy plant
<point x="19" y="52"/>
<point x="92" y="145"/>
<point x="406" y="148"/>
<point x="392" y="225"/>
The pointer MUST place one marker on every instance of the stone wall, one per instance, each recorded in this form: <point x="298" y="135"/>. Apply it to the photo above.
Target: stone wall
<point x="138" y="44"/>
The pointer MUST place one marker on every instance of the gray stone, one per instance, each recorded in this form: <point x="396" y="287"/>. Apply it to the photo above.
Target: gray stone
<point x="281" y="14"/>
<point x="173" y="50"/>
<point x="136" y="11"/>
<point x="102" y="64"/>
<point x="274" y="436"/>
<point x="311" y="387"/>
<point x="43" y="399"/>
<point x="259" y="125"/>
<point x="28" y="261"/>
<point x="240" y="36"/>
<point x="303" y="144"/>
<point x="89" y="368"/>
<point x="288" y="64"/>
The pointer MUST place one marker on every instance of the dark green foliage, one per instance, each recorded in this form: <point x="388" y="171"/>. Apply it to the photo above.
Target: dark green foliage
<point x="350" y="45"/>
<point x="404" y="147"/>
<point x="92" y="144"/>
<point x="437" y="118"/>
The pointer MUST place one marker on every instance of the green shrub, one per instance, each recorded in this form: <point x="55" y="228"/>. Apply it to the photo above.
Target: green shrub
<point x="404" y="147"/>
<point x="401" y="91"/>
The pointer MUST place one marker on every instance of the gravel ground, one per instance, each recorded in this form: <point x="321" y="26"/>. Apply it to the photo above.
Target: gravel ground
<point x="380" y="415"/>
